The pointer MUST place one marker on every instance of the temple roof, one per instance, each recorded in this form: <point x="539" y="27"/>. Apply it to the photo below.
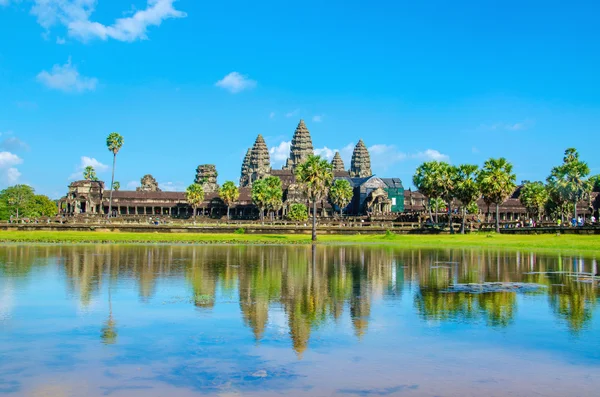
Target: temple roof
<point x="361" y="161"/>
<point x="337" y="162"/>
<point x="301" y="146"/>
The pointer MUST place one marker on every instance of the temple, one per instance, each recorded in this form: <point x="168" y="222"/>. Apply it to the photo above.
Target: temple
<point x="375" y="197"/>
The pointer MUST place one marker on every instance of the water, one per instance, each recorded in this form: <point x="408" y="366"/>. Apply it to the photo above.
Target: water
<point x="260" y="321"/>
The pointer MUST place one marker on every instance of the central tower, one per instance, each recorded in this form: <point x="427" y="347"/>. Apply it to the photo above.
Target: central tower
<point x="301" y="147"/>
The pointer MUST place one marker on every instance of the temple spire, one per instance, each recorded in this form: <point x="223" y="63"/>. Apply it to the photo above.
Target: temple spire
<point x="245" y="174"/>
<point x="337" y="163"/>
<point x="361" y="161"/>
<point x="301" y="147"/>
<point x="260" y="161"/>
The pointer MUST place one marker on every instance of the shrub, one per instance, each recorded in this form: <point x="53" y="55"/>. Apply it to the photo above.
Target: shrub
<point x="298" y="213"/>
<point x="240" y="231"/>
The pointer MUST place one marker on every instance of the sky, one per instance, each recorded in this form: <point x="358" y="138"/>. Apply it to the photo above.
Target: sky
<point x="190" y="82"/>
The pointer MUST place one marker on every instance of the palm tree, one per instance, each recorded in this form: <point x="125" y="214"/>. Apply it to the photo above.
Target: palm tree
<point x="534" y="196"/>
<point x="260" y="197"/>
<point x="315" y="176"/>
<point x="427" y="180"/>
<point x="194" y="195"/>
<point x="117" y="186"/>
<point x="114" y="142"/>
<point x="341" y="194"/>
<point x="467" y="188"/>
<point x="446" y="177"/>
<point x="274" y="194"/>
<point x="229" y="193"/>
<point x="569" y="179"/>
<point x="89" y="174"/>
<point x="497" y="182"/>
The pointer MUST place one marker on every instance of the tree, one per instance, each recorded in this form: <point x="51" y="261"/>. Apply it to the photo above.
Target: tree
<point x="117" y="186"/>
<point x="298" y="213"/>
<point x="194" y="194"/>
<point x="275" y="194"/>
<point x="315" y="176"/>
<point x="89" y="173"/>
<point x="42" y="206"/>
<point x="229" y="193"/>
<point x="446" y="180"/>
<point x="427" y="181"/>
<point x="466" y="189"/>
<point x="114" y="143"/>
<point x="341" y="194"/>
<point x="17" y="198"/>
<point x="534" y="196"/>
<point x="568" y="181"/>
<point x="267" y="194"/>
<point x="497" y="181"/>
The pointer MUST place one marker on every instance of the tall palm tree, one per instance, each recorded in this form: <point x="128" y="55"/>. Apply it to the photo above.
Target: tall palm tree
<point x="194" y="194"/>
<point x="229" y="193"/>
<point x="534" y="196"/>
<point x="467" y="188"/>
<point x="497" y="182"/>
<point x="427" y="180"/>
<point x="114" y="142"/>
<point x="260" y="197"/>
<point x="569" y="179"/>
<point x="89" y="174"/>
<point x="117" y="186"/>
<point x="341" y="194"/>
<point x="315" y="176"/>
<point x="446" y="177"/>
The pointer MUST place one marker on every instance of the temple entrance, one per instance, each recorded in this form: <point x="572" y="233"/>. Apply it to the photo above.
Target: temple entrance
<point x="82" y="207"/>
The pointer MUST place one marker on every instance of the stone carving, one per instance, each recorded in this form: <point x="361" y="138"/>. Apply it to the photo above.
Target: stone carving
<point x="361" y="161"/>
<point x="206" y="175"/>
<point x="300" y="148"/>
<point x="338" y="163"/>
<point x="148" y="184"/>
<point x="260" y="162"/>
<point x="245" y="175"/>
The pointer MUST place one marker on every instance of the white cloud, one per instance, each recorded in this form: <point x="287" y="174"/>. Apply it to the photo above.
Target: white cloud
<point x="383" y="156"/>
<point x="429" y="155"/>
<point x="85" y="162"/>
<point x="13" y="143"/>
<point x="293" y="113"/>
<point x="172" y="186"/>
<point x="75" y="15"/>
<point x="272" y="115"/>
<point x="66" y="78"/>
<point x="8" y="173"/>
<point x="280" y="153"/>
<point x="325" y="152"/>
<point x="235" y="82"/>
<point x="132" y="185"/>
<point x="318" y="118"/>
<point x="522" y="125"/>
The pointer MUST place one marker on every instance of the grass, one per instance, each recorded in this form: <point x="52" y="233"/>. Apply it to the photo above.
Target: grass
<point x="545" y="242"/>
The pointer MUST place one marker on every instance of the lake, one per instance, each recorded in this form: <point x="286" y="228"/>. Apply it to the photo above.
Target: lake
<point x="346" y="320"/>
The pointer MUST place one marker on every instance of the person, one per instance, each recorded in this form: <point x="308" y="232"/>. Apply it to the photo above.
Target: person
<point x="593" y="219"/>
<point x="573" y="222"/>
<point x="579" y="221"/>
<point x="530" y="222"/>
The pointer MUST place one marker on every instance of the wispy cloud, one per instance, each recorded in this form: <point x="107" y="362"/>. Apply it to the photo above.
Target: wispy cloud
<point x="172" y="186"/>
<point x="519" y="126"/>
<point x="66" y="78"/>
<point x="13" y="143"/>
<point x="279" y="153"/>
<point x="318" y="118"/>
<point x="75" y="16"/>
<point x="383" y="156"/>
<point x="85" y="162"/>
<point x="235" y="82"/>
<point x="9" y="174"/>
<point x="293" y="113"/>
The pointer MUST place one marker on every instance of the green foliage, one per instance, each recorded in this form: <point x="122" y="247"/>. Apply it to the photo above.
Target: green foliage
<point x="389" y="235"/>
<point x="315" y="176"/>
<point x="341" y="193"/>
<point x="229" y="193"/>
<point x="567" y="182"/>
<point x="114" y="142"/>
<point x="89" y="173"/>
<point x="595" y="183"/>
<point x="438" y="204"/>
<point x="534" y="196"/>
<point x="22" y="202"/>
<point x="116" y="185"/>
<point x="240" y="230"/>
<point x="466" y="187"/>
<point x="194" y="195"/>
<point x="298" y="213"/>
<point x="267" y="193"/>
<point x="497" y="180"/>
<point x="42" y="206"/>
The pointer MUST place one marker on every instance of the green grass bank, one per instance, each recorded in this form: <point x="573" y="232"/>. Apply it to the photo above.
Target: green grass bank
<point x="578" y="243"/>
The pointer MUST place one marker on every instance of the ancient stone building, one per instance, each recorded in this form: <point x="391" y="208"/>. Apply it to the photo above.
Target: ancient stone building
<point x="300" y="148"/>
<point x="206" y="175"/>
<point x="83" y="197"/>
<point x="259" y="165"/>
<point x="245" y="177"/>
<point x="148" y="184"/>
<point x="338" y="163"/>
<point x="361" y="161"/>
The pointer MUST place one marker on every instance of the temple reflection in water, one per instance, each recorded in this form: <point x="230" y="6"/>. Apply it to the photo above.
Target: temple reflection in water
<point x="312" y="287"/>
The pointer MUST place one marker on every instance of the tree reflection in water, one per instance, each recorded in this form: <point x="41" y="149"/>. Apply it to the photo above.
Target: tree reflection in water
<point x="314" y="286"/>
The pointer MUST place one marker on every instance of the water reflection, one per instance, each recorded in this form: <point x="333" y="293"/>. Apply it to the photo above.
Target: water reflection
<point x="317" y="290"/>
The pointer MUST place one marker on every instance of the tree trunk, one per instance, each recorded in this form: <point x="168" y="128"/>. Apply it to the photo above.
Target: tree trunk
<point x="17" y="214"/>
<point x="575" y="212"/>
<point x="497" y="218"/>
<point x="429" y="207"/>
<point x="314" y="221"/>
<point x="450" y="218"/>
<point x="464" y="220"/>
<point x="436" y="212"/>
<point x="228" y="217"/>
<point x="112" y="182"/>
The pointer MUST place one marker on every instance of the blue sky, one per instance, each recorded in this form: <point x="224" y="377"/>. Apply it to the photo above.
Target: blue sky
<point x="190" y="82"/>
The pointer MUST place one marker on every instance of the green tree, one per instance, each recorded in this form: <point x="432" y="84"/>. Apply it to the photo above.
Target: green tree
<point x="114" y="143"/>
<point x="428" y="181"/>
<point x="17" y="199"/>
<point x="260" y="197"/>
<point x="298" y="213"/>
<point x="42" y="205"/>
<point x="194" y="194"/>
<point x="89" y="173"/>
<point x="534" y="196"/>
<point x="497" y="181"/>
<point x="274" y="194"/>
<point x="569" y="180"/>
<point x="466" y="189"/>
<point x="117" y="186"/>
<point x="341" y="194"/>
<point x="315" y="176"/>
<point x="446" y="176"/>
<point x="229" y="193"/>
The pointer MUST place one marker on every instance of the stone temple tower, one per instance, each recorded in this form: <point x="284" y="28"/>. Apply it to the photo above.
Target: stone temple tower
<point x="361" y="161"/>
<point x="301" y="147"/>
<point x="260" y="161"/>
<point x="206" y="175"/>
<point x="337" y="163"/>
<point x="245" y="176"/>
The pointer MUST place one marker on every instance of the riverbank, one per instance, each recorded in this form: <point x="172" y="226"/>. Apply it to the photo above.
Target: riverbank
<point x="545" y="242"/>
